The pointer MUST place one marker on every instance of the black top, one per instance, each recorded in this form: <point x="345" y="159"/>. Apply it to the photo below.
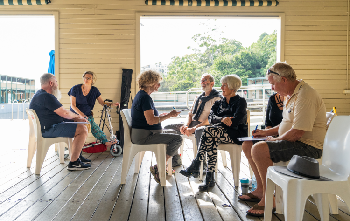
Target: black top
<point x="237" y="109"/>
<point x="84" y="103"/>
<point x="143" y="102"/>
<point x="273" y="114"/>
<point x="44" y="105"/>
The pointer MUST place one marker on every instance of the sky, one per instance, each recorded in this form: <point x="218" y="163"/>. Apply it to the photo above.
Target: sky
<point x="165" y="37"/>
<point x="25" y="43"/>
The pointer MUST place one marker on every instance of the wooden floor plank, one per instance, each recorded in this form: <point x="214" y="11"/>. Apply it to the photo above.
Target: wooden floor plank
<point x="156" y="201"/>
<point x="173" y="206"/>
<point x="80" y="188"/>
<point x="189" y="204"/>
<point x="141" y="194"/>
<point x="60" y="199"/>
<point x="123" y="202"/>
<point x="205" y="204"/>
<point x="99" y="190"/>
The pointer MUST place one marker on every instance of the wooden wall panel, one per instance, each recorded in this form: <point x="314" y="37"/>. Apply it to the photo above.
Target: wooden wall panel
<point x="100" y="35"/>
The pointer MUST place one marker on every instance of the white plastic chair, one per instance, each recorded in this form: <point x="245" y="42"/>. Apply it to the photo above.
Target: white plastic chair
<point x="40" y="144"/>
<point x="130" y="150"/>
<point x="278" y="191"/>
<point x="335" y="165"/>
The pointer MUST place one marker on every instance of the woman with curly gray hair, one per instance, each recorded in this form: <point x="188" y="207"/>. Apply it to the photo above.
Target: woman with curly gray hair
<point x="228" y="118"/>
<point x="146" y="121"/>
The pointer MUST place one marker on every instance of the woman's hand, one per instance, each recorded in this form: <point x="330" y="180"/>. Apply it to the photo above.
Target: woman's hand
<point x="227" y="121"/>
<point x="116" y="104"/>
<point x="174" y="113"/>
<point x="162" y="114"/>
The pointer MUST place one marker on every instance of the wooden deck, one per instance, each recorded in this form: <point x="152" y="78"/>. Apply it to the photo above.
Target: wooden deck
<point x="96" y="194"/>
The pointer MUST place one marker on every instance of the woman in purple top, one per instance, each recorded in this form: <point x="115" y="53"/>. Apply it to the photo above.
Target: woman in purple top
<point x="82" y="100"/>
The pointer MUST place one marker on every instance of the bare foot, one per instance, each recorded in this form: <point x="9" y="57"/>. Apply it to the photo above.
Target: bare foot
<point x="110" y="143"/>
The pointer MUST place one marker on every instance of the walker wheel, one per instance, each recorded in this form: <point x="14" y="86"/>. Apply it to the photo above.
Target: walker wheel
<point x="116" y="150"/>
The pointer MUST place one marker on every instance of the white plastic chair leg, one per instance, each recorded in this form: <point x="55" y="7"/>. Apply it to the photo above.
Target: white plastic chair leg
<point x="279" y="200"/>
<point x="160" y="157"/>
<point x="322" y="203"/>
<point x="270" y="187"/>
<point x="40" y="156"/>
<point x="182" y="149"/>
<point x="333" y="203"/>
<point x="138" y="161"/>
<point x="235" y="154"/>
<point x="31" y="151"/>
<point x="223" y="157"/>
<point x="294" y="203"/>
<point x="194" y="144"/>
<point x="170" y="166"/>
<point x="127" y="160"/>
<point x="60" y="149"/>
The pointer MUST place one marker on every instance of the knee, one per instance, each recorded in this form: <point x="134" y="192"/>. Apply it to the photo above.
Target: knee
<point x="260" y="151"/>
<point x="247" y="147"/>
<point x="82" y="129"/>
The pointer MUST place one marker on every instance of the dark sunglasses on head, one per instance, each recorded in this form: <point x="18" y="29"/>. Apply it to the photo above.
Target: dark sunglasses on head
<point x="269" y="72"/>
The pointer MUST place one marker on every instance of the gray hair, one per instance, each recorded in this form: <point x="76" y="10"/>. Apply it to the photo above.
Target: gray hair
<point x="45" y="78"/>
<point x="149" y="78"/>
<point x="233" y="81"/>
<point x="211" y="78"/>
<point x="285" y="70"/>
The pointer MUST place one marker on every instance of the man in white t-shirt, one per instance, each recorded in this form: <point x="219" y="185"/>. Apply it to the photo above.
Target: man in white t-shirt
<point x="301" y="131"/>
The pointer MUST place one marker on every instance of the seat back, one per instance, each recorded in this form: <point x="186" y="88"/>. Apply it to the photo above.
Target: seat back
<point x="329" y="116"/>
<point x="126" y="117"/>
<point x="34" y="124"/>
<point x="336" y="147"/>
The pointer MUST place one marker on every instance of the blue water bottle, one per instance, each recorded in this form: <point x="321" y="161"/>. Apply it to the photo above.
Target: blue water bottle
<point x="254" y="184"/>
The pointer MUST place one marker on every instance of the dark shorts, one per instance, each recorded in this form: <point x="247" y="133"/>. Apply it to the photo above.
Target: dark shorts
<point x="60" y="130"/>
<point x="282" y="150"/>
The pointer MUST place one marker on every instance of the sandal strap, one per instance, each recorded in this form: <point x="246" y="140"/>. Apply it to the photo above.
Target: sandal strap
<point x="252" y="196"/>
<point x="257" y="207"/>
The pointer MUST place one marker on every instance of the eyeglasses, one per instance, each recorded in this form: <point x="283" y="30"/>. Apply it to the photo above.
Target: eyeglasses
<point x="269" y="72"/>
<point x="203" y="81"/>
<point x="87" y="78"/>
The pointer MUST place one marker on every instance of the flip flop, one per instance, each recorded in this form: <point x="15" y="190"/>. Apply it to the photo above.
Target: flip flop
<point x="257" y="207"/>
<point x="252" y="198"/>
<point x="155" y="173"/>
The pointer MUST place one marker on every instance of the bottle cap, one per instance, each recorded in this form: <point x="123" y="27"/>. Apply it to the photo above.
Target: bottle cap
<point x="244" y="180"/>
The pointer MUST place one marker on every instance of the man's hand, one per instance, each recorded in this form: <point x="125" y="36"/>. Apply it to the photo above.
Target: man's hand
<point x="227" y="121"/>
<point x="259" y="133"/>
<point x="183" y="129"/>
<point x="80" y="119"/>
<point x="190" y="131"/>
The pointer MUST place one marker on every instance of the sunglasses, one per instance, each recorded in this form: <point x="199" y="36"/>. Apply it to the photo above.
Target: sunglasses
<point x="87" y="78"/>
<point x="269" y="72"/>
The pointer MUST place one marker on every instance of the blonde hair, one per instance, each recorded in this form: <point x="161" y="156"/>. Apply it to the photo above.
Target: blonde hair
<point x="233" y="81"/>
<point x="94" y="78"/>
<point x="149" y="78"/>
